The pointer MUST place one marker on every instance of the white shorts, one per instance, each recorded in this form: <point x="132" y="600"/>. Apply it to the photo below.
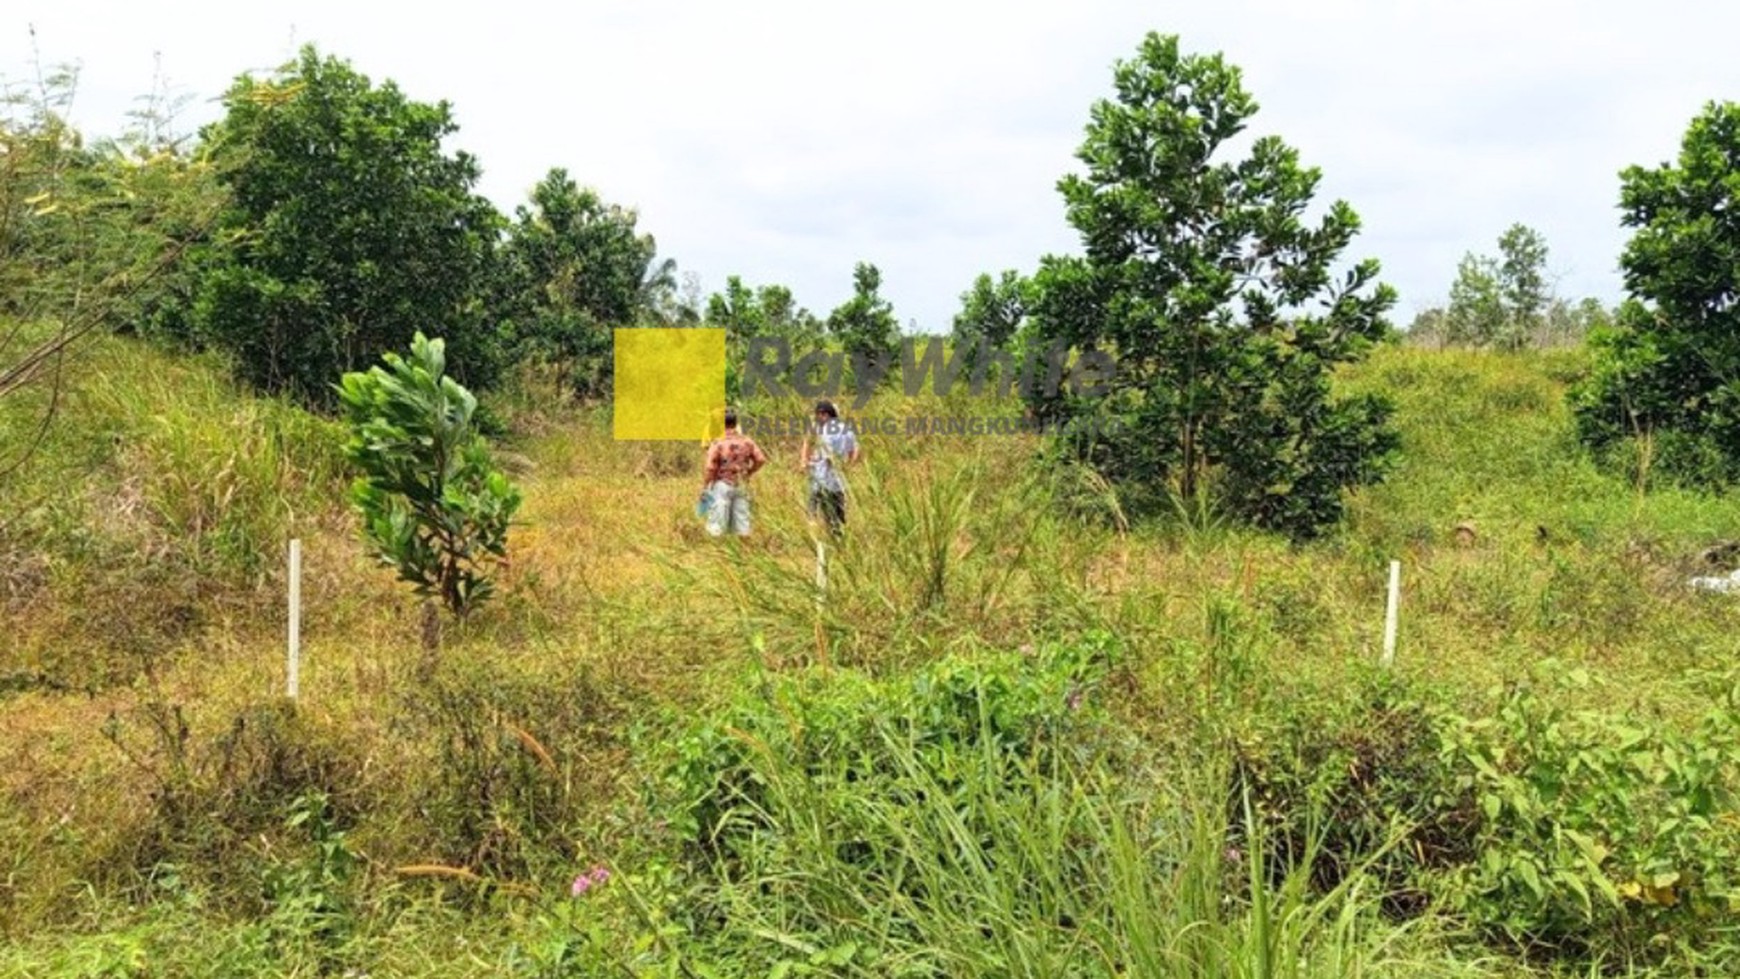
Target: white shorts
<point x="729" y="509"/>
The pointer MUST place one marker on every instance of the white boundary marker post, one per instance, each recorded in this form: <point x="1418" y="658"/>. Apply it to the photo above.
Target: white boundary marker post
<point x="821" y="591"/>
<point x="293" y="670"/>
<point x="821" y="573"/>
<point x="1390" y="613"/>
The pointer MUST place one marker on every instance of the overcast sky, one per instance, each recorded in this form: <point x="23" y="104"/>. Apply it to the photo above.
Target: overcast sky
<point x="786" y="141"/>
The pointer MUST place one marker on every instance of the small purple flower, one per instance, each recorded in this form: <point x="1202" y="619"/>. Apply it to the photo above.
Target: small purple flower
<point x="590" y="879"/>
<point x="1073" y="701"/>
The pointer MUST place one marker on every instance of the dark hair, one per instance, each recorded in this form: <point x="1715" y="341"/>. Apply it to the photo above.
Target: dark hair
<point x="827" y="408"/>
<point x="730" y="417"/>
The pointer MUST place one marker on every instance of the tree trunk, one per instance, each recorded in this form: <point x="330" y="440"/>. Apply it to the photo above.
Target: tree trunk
<point x="1187" y="484"/>
<point x="431" y="637"/>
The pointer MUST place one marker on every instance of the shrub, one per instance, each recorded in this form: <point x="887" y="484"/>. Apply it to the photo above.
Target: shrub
<point x="831" y="728"/>
<point x="981" y="818"/>
<point x="1597" y="834"/>
<point x="214" y="800"/>
<point x="435" y="508"/>
<point x="1356" y="785"/>
<point x="515" y="758"/>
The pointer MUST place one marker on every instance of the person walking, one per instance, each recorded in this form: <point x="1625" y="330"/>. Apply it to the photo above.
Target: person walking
<point x="825" y="454"/>
<point x="731" y="460"/>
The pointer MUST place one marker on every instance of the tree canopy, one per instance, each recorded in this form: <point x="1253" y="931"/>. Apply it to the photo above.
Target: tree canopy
<point x="1669" y="369"/>
<point x="576" y="267"/>
<point x="349" y="229"/>
<point x="1198" y="273"/>
<point x="992" y="312"/>
<point x="865" y="324"/>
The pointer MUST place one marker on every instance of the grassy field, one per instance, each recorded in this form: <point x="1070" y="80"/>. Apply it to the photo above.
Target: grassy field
<point x="1020" y="738"/>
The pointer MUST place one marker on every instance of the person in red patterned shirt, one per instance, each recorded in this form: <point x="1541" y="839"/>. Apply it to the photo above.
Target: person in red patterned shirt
<point x="731" y="460"/>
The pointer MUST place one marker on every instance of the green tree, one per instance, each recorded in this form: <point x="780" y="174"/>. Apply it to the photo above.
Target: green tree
<point x="1522" y="271"/>
<point x="576" y="267"/>
<point x="1590" y="315"/>
<point x="1477" y="315"/>
<point x="865" y="324"/>
<point x="1196" y="274"/>
<point x="1502" y="302"/>
<point x="1668" y="371"/>
<point x="434" y="506"/>
<point x="738" y="312"/>
<point x="992" y="311"/>
<point x="769" y="311"/>
<point x="1566" y="323"/>
<point x="784" y="317"/>
<point x="351" y="229"/>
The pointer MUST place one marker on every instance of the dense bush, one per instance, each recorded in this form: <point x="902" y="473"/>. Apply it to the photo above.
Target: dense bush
<point x="1600" y="835"/>
<point x="1582" y="836"/>
<point x="217" y="802"/>
<point x="837" y="731"/>
<point x="834" y="794"/>
<point x="509" y="772"/>
<point x="1357" y="784"/>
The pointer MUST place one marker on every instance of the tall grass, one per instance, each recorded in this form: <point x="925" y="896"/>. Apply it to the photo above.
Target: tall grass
<point x="948" y="551"/>
<point x="990" y="821"/>
<point x="159" y="506"/>
<point x="152" y="532"/>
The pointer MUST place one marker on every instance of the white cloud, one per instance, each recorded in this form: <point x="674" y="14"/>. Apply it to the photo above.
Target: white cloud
<point x="785" y="141"/>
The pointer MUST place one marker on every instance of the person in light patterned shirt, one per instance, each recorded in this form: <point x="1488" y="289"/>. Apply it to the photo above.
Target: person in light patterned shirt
<point x="826" y="455"/>
<point x="731" y="460"/>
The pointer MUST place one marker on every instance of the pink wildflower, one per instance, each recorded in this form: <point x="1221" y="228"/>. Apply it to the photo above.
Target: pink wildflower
<point x="590" y="879"/>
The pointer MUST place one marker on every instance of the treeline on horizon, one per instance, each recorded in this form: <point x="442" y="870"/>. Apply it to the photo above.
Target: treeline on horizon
<point x="319" y="225"/>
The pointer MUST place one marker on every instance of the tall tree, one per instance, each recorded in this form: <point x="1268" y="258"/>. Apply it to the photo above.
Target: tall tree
<point x="738" y="312"/>
<point x="991" y="313"/>
<point x="576" y="266"/>
<point x="769" y="312"/>
<point x="349" y="230"/>
<point x="1670" y="367"/>
<point x="1501" y="301"/>
<point x="784" y="317"/>
<point x="766" y="311"/>
<point x="865" y="324"/>
<point x="1522" y="268"/>
<point x="1477" y="315"/>
<point x="1197" y="273"/>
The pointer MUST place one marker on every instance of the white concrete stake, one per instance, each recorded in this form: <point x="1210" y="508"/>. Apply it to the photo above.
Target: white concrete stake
<point x="1390" y="612"/>
<point x="294" y="671"/>
<point x="821" y="573"/>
